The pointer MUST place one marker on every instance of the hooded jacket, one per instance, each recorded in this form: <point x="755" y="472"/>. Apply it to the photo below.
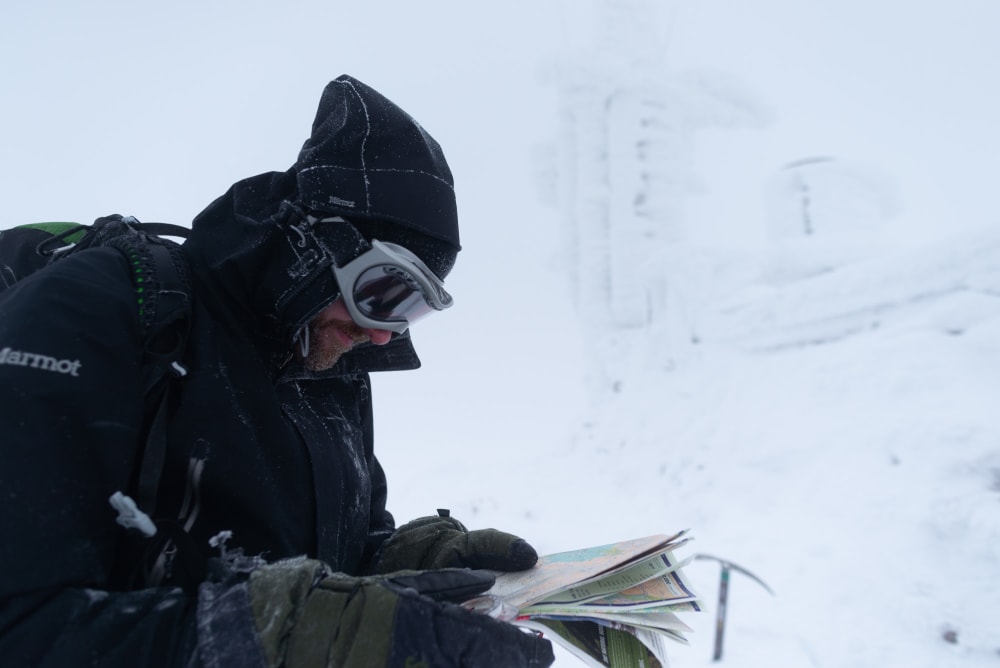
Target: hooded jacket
<point x="262" y="456"/>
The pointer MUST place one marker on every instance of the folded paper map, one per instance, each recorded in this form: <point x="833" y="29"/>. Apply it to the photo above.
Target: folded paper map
<point x="613" y="606"/>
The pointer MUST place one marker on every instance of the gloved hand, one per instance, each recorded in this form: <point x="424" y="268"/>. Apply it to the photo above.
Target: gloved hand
<point x="443" y="542"/>
<point x="308" y="617"/>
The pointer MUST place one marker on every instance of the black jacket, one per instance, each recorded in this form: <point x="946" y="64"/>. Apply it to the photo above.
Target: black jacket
<point x="281" y="459"/>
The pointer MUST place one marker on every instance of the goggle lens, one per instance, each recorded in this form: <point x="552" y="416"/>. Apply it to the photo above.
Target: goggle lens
<point x="387" y="293"/>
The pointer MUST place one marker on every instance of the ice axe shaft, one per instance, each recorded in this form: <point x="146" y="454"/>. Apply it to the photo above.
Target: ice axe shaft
<point x="720" y="617"/>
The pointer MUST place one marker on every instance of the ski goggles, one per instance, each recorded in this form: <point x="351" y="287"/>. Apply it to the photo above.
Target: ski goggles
<point x="388" y="287"/>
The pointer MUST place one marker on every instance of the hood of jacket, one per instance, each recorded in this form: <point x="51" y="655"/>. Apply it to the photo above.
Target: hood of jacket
<point x="259" y="259"/>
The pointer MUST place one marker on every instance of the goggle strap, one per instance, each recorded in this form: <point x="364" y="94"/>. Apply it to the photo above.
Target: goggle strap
<point x="346" y="243"/>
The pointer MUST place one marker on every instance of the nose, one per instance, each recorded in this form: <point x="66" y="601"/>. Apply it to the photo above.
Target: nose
<point x="379" y="337"/>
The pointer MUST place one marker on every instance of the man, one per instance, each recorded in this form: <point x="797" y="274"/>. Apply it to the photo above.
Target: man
<point x="267" y="541"/>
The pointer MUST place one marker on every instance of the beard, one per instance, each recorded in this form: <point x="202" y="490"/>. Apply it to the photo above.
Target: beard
<point x="325" y="349"/>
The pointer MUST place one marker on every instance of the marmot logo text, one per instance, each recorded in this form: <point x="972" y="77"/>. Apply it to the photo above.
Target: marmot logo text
<point x="36" y="361"/>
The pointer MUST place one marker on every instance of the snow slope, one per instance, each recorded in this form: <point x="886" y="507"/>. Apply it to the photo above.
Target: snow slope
<point x="838" y="435"/>
<point x="834" y="431"/>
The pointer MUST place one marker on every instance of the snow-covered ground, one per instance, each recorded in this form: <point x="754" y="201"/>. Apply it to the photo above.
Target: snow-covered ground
<point x="820" y="410"/>
<point x="852" y="462"/>
<point x="835" y="434"/>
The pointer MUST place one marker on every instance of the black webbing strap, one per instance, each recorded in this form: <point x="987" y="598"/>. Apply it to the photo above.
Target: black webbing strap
<point x="153" y="455"/>
<point x="165" y="230"/>
<point x="165" y="348"/>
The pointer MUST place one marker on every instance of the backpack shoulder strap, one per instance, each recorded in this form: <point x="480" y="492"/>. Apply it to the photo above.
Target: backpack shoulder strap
<point x="163" y="294"/>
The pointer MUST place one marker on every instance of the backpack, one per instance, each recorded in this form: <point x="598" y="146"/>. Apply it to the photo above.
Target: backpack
<point x="160" y="277"/>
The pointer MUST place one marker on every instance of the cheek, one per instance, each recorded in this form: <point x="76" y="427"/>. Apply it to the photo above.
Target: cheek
<point x="338" y="311"/>
<point x="333" y="314"/>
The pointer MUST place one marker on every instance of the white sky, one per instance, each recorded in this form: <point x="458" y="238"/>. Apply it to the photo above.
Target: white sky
<point x="906" y="87"/>
<point x="192" y="96"/>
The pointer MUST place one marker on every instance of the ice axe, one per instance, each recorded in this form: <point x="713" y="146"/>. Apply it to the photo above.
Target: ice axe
<point x="720" y="617"/>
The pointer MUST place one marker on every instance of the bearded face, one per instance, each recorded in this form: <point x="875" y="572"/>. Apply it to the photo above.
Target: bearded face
<point x="332" y="333"/>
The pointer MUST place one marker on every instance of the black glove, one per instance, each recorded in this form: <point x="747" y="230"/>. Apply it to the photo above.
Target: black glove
<point x="443" y="542"/>
<point x="308" y="617"/>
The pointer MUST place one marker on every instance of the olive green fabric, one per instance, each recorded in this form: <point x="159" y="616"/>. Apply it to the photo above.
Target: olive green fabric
<point x="277" y="596"/>
<point x="309" y="617"/>
<point x="444" y="542"/>
<point x="355" y="616"/>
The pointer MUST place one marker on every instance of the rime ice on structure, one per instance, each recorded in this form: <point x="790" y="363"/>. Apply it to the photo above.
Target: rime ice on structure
<point x="627" y="145"/>
<point x="828" y="196"/>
